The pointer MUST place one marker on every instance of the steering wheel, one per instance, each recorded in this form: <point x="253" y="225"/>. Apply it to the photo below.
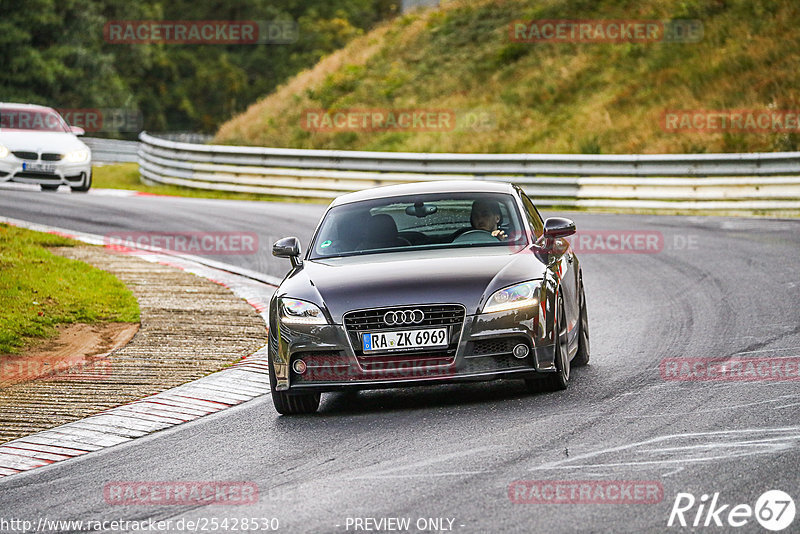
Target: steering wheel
<point x="476" y="236"/>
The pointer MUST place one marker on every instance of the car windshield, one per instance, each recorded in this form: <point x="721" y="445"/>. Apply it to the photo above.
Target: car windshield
<point x="420" y="222"/>
<point x="40" y="120"/>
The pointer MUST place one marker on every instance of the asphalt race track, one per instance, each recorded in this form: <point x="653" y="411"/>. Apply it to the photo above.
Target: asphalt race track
<point x="118" y="215"/>
<point x="715" y="288"/>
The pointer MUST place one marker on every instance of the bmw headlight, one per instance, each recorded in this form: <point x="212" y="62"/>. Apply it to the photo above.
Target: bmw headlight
<point x="511" y="298"/>
<point x="76" y="156"/>
<point x="3" y="151"/>
<point x="293" y="311"/>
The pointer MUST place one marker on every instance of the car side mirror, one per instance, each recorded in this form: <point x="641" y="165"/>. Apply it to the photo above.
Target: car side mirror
<point x="288" y="247"/>
<point x="555" y="227"/>
<point x="77" y="130"/>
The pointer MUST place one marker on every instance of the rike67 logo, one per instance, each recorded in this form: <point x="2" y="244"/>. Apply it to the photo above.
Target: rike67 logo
<point x="774" y="510"/>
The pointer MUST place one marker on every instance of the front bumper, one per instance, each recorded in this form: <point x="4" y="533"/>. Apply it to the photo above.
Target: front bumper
<point x="483" y="351"/>
<point x="13" y="169"/>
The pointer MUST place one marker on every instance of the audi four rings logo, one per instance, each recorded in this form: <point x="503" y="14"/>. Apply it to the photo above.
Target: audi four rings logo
<point x="393" y="318"/>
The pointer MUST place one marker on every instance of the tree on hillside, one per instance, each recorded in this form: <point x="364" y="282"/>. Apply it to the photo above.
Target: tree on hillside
<point x="55" y="54"/>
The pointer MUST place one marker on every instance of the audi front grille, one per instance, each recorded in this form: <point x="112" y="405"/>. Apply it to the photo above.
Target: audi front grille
<point x="435" y="315"/>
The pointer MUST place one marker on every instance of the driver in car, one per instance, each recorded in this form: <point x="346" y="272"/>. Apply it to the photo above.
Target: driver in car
<point x="486" y="216"/>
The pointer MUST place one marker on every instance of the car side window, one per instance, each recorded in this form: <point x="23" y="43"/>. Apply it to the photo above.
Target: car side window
<point x="533" y="216"/>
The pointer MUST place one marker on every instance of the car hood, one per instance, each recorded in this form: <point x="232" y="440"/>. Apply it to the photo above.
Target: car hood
<point x="465" y="276"/>
<point x="60" y="142"/>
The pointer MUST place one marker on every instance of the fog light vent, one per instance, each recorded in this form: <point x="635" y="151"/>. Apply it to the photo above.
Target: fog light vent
<point x="521" y="351"/>
<point x="299" y="367"/>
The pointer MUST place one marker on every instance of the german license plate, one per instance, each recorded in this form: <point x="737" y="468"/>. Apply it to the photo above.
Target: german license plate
<point x="404" y="340"/>
<point x="39" y="167"/>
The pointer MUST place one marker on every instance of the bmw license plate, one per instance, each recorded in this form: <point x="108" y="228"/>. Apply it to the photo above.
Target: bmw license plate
<point x="39" y="167"/>
<point x="404" y="340"/>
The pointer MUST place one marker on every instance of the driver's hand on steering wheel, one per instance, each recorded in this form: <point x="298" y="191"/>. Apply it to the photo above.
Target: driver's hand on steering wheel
<point x="499" y="234"/>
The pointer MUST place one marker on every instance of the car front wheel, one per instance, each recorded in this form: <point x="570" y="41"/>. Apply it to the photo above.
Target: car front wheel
<point x="582" y="356"/>
<point x="560" y="379"/>
<point x="287" y="404"/>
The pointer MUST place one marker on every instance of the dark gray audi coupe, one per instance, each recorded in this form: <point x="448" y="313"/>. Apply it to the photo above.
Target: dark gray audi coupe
<point x="427" y="283"/>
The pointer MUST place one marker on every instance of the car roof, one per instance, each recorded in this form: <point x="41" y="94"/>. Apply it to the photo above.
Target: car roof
<point x="418" y="188"/>
<point x="26" y="106"/>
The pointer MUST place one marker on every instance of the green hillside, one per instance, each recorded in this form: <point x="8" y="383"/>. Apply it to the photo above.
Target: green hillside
<point x="57" y="53"/>
<point x="546" y="97"/>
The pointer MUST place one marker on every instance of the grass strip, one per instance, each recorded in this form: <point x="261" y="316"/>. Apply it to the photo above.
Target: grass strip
<point x="39" y="290"/>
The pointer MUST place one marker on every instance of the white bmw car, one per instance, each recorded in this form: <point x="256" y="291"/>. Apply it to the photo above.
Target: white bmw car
<point x="38" y="147"/>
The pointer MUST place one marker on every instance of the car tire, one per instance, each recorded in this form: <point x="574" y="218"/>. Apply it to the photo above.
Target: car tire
<point x="559" y="380"/>
<point x="582" y="356"/>
<point x="286" y="404"/>
<point x="83" y="188"/>
<point x="49" y="187"/>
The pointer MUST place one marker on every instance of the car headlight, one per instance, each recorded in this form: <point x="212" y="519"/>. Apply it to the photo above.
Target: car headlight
<point x="76" y="156"/>
<point x="514" y="297"/>
<point x="295" y="311"/>
<point x="3" y="151"/>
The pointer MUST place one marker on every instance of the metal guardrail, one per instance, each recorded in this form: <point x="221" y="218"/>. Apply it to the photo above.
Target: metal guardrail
<point x="186" y="137"/>
<point x="121" y="151"/>
<point x="756" y="181"/>
<point x="112" y="150"/>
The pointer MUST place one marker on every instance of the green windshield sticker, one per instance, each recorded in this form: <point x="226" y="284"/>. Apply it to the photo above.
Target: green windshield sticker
<point x="325" y="244"/>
